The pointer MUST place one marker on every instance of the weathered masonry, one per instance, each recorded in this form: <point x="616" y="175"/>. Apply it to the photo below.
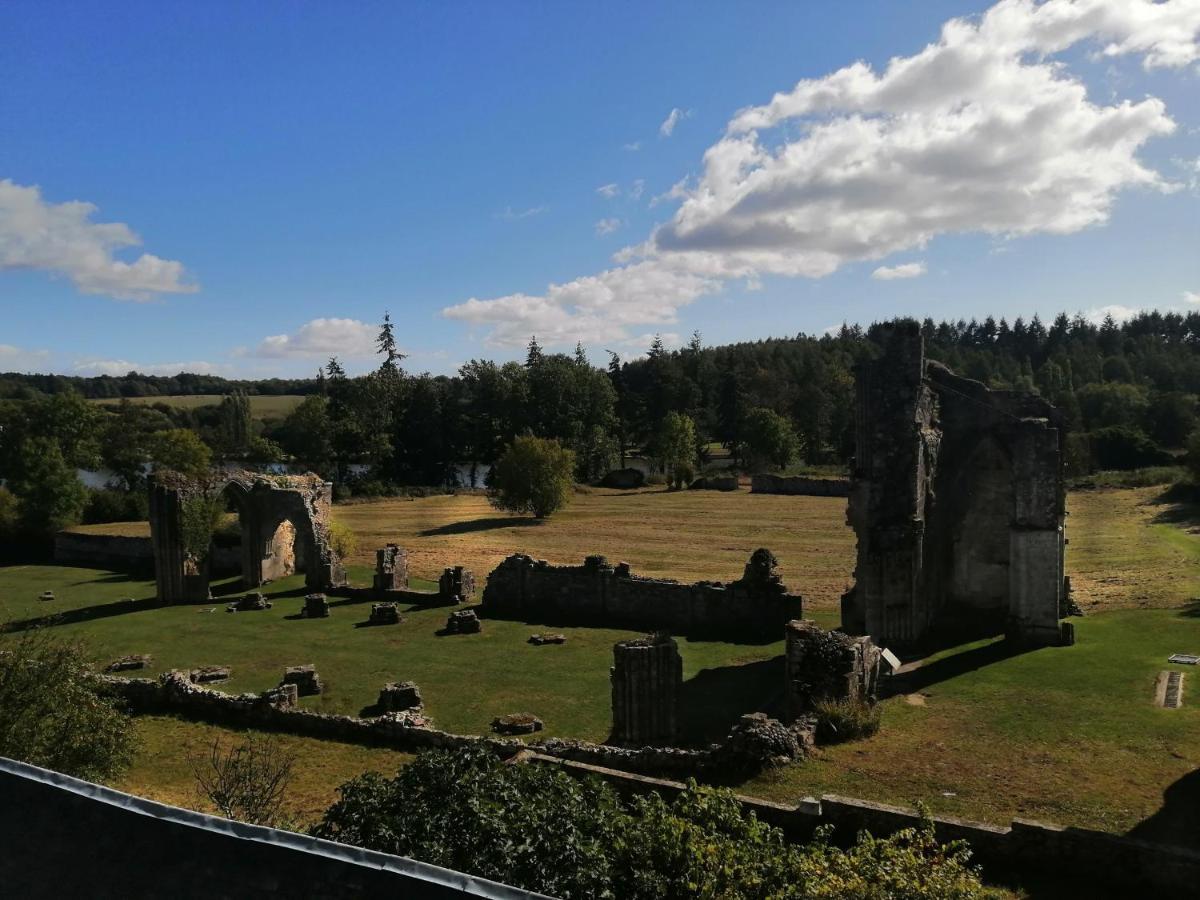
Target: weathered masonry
<point x="600" y="594"/>
<point x="284" y="522"/>
<point x="646" y="677"/>
<point x="957" y="500"/>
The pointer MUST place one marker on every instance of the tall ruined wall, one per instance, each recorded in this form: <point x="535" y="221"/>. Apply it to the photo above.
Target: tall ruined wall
<point x="957" y="500"/>
<point x="597" y="593"/>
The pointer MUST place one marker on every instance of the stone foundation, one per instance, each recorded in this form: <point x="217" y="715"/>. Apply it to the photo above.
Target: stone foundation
<point x="463" y="621"/>
<point x="598" y="594"/>
<point x="646" y="677"/>
<point x="391" y="569"/>
<point x="304" y="678"/>
<point x="766" y="483"/>
<point x="399" y="696"/>
<point x="316" y="606"/>
<point x="384" y="614"/>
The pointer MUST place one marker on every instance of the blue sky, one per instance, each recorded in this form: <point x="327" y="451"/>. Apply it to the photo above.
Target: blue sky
<point x="294" y="169"/>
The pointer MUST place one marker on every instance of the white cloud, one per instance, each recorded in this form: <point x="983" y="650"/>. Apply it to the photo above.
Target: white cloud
<point x="608" y="191"/>
<point x="322" y="338"/>
<point x="637" y="188"/>
<point x="632" y="146"/>
<point x="1120" y="313"/>
<point x="511" y="215"/>
<point x="607" y="226"/>
<point x="17" y="359"/>
<point x="1192" y="297"/>
<point x="59" y="238"/>
<point x="96" y="366"/>
<point x="674" y="117"/>
<point x="983" y="131"/>
<point x="906" y="270"/>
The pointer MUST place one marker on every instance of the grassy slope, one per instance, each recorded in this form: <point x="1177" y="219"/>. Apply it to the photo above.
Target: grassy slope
<point x="262" y="406"/>
<point x="1068" y="735"/>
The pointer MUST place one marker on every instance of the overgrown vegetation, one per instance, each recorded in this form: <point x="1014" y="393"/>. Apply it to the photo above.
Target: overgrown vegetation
<point x="846" y="720"/>
<point x="55" y="714"/>
<point x="538" y="828"/>
<point x="247" y="781"/>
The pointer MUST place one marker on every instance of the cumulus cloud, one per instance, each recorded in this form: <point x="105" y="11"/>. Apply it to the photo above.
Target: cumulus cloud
<point x="96" y="366"/>
<point x="322" y="338"/>
<point x="60" y="238"/>
<point x="1192" y="297"/>
<point x="906" y="270"/>
<point x="608" y="191"/>
<point x="17" y="359"/>
<point x="1119" y="313"/>
<point x="607" y="226"/>
<point x="674" y="117"/>
<point x="982" y="131"/>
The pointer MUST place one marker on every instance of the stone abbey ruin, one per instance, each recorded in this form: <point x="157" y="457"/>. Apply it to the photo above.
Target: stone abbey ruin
<point x="284" y="522"/>
<point x="957" y="500"/>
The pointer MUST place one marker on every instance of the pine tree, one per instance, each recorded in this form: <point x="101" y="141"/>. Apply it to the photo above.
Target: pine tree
<point x="580" y="354"/>
<point x="386" y="344"/>
<point x="533" y="355"/>
<point x="334" y="370"/>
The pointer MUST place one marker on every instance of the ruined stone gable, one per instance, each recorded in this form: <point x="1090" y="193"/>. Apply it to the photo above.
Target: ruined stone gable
<point x="957" y="500"/>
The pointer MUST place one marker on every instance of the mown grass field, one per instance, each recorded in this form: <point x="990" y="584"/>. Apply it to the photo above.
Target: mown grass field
<point x="1067" y="735"/>
<point x="261" y="406"/>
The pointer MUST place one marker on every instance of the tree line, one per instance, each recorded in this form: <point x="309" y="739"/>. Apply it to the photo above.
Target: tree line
<point x="1128" y="392"/>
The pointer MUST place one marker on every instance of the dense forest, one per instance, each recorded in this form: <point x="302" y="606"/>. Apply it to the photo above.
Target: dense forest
<point x="1128" y="392"/>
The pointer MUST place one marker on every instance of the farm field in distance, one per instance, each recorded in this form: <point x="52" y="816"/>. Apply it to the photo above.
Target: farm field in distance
<point x="1063" y="735"/>
<point x="262" y="406"/>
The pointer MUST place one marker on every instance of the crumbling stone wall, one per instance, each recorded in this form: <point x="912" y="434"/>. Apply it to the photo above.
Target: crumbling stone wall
<point x="646" y="676"/>
<point x="456" y="584"/>
<point x="601" y="594"/>
<point x="769" y="483"/>
<point x="284" y="523"/>
<point x="827" y="665"/>
<point x="391" y="568"/>
<point x="957" y="500"/>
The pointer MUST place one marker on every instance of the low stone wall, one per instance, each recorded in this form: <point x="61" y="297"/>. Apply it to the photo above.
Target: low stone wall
<point x="64" y="837"/>
<point x="715" y="483"/>
<point x="1017" y="854"/>
<point x="103" y="551"/>
<point x="766" y="483"/>
<point x="123" y="553"/>
<point x="174" y="693"/>
<point x="600" y="594"/>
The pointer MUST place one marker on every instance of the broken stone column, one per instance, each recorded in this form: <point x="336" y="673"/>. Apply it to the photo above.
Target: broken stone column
<point x="384" y="614"/>
<point x="305" y="679"/>
<point x="646" y="677"/>
<point x="399" y="696"/>
<point x="827" y="665"/>
<point x="456" y="585"/>
<point x="316" y="606"/>
<point x="391" y="568"/>
<point x="463" y="621"/>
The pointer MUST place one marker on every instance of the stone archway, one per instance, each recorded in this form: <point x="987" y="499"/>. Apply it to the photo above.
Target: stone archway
<point x="178" y="505"/>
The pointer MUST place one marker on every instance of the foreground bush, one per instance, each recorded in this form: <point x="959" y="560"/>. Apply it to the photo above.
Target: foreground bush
<point x="54" y="714"/>
<point x="534" y="475"/>
<point x="538" y="828"/>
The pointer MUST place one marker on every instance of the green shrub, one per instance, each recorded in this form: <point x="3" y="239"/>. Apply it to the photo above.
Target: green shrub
<point x="10" y="513"/>
<point x="537" y="828"/>
<point x="115" y="506"/>
<point x="342" y="540"/>
<point x="846" y="720"/>
<point x="55" y="714"/>
<point x="534" y="475"/>
<point x="1121" y="447"/>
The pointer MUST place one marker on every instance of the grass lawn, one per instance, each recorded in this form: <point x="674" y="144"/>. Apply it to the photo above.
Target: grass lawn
<point x="162" y="769"/>
<point x="261" y="406"/>
<point x="1064" y="734"/>
<point x="689" y="535"/>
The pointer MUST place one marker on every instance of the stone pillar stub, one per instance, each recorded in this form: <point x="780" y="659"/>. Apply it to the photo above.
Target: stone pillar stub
<point x="646" y="677"/>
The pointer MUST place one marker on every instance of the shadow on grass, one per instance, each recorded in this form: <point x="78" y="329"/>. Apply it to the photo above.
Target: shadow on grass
<point x="948" y="667"/>
<point x="1180" y="506"/>
<point x="712" y="700"/>
<point x="469" y="526"/>
<point x="86" y="614"/>
<point x="1190" y="610"/>
<point x="1178" y="822"/>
